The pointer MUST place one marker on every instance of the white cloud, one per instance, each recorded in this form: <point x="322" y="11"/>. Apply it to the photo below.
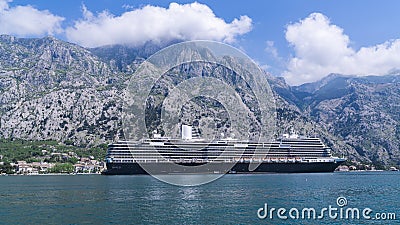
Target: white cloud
<point x="271" y="49"/>
<point x="27" y="21"/>
<point x="135" y="27"/>
<point x="322" y="48"/>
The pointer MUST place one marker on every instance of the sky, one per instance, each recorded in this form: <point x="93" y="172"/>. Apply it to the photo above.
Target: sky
<point x="301" y="40"/>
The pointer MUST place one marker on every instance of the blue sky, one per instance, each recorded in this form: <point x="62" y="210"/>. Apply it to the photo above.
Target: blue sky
<point x="302" y="40"/>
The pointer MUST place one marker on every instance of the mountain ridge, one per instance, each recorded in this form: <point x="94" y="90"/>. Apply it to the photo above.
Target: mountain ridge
<point x="51" y="89"/>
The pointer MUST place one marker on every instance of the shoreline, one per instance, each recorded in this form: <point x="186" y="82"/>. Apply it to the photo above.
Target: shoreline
<point x="74" y="174"/>
<point x="51" y="174"/>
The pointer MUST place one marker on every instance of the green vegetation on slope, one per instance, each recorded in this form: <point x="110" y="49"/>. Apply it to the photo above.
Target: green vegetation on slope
<point x="31" y="151"/>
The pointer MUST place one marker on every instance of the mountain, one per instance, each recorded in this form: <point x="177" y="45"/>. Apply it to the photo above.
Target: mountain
<point x="51" y="89"/>
<point x="358" y="116"/>
<point x="121" y="57"/>
<point x="363" y="111"/>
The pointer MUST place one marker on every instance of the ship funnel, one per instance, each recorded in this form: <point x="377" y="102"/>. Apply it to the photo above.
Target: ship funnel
<point x="186" y="132"/>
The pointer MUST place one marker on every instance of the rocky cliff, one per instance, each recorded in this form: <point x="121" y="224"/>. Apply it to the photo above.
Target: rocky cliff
<point x="363" y="111"/>
<point x="56" y="90"/>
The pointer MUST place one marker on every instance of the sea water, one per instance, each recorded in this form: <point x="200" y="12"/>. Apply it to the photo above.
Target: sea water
<point x="232" y="199"/>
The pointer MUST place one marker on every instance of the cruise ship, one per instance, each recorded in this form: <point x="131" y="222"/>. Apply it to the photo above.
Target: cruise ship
<point x="192" y="155"/>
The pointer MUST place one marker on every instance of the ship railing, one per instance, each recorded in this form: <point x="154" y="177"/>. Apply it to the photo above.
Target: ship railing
<point x="317" y="159"/>
<point x="269" y="159"/>
<point x="228" y="160"/>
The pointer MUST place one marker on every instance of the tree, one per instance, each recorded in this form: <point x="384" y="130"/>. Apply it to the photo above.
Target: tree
<point x="7" y="168"/>
<point x="62" y="168"/>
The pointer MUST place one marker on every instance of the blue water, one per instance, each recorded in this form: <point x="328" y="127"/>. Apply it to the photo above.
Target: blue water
<point x="233" y="199"/>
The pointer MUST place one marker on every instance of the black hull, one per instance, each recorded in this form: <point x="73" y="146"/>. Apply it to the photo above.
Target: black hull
<point x="190" y="168"/>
